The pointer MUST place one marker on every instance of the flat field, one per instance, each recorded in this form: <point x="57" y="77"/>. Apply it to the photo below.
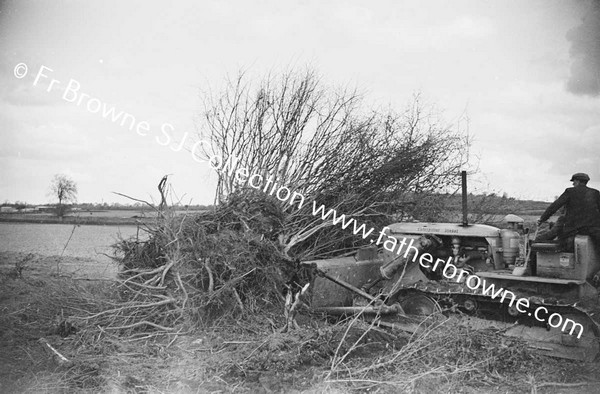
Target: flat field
<point x="113" y="217"/>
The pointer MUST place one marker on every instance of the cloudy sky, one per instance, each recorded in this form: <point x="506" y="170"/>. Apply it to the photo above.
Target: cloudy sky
<point x="526" y="73"/>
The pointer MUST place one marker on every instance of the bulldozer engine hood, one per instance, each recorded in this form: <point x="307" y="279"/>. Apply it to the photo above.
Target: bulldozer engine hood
<point x="472" y="230"/>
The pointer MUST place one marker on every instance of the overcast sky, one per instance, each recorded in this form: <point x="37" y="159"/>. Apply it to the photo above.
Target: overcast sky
<point x="526" y="73"/>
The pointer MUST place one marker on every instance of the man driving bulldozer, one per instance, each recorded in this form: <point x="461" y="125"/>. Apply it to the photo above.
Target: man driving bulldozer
<point x="582" y="216"/>
<point x="425" y="243"/>
<point x="459" y="257"/>
<point x="555" y="231"/>
<point x="391" y="269"/>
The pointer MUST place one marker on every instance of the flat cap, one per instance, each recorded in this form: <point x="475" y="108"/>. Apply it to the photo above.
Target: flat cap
<point x="580" y="176"/>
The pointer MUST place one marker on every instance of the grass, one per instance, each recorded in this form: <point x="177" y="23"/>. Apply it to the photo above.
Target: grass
<point x="249" y="354"/>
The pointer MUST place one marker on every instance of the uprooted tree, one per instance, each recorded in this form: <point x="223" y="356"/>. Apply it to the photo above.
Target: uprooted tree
<point x="372" y="166"/>
<point x="322" y="143"/>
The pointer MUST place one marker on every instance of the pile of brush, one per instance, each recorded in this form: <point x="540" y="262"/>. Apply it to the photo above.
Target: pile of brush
<point x="193" y="269"/>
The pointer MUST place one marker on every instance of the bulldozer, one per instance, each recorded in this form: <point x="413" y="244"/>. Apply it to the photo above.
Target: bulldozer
<point x="547" y="297"/>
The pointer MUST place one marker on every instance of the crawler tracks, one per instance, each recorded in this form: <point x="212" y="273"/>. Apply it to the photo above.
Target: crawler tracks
<point x="482" y="311"/>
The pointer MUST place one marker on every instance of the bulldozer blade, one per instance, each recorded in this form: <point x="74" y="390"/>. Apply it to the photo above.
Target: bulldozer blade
<point x="347" y="285"/>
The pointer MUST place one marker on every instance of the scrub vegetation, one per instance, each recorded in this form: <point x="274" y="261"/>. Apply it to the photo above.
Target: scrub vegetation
<point x="326" y="144"/>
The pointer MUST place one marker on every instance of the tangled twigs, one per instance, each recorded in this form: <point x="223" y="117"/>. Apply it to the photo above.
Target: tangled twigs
<point x="211" y="280"/>
<point x="135" y="305"/>
<point x="161" y="189"/>
<point x="536" y="386"/>
<point x="159" y="273"/>
<point x="57" y="356"/>
<point x="141" y="323"/>
<point x="147" y="287"/>
<point x="213" y="264"/>
<point x="290" y="307"/>
<point x="164" y="273"/>
<point x="150" y="303"/>
<point x="182" y="287"/>
<point x="151" y="314"/>
<point x="442" y="353"/>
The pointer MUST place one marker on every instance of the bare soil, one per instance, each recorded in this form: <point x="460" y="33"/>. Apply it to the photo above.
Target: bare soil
<point x="239" y="355"/>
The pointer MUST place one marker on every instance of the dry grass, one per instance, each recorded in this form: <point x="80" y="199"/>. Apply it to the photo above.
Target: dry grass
<point x="251" y="355"/>
<point x="36" y="308"/>
<point x="447" y="356"/>
<point x="441" y="355"/>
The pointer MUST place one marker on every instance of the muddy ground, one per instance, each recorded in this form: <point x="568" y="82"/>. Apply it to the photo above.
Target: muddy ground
<point x="242" y="355"/>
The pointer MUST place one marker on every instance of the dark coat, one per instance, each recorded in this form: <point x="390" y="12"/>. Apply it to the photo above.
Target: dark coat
<point x="582" y="205"/>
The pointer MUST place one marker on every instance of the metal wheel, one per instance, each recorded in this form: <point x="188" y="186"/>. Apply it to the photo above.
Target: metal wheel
<point x="420" y="305"/>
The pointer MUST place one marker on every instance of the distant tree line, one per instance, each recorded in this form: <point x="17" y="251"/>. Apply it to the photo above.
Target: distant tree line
<point x="20" y="205"/>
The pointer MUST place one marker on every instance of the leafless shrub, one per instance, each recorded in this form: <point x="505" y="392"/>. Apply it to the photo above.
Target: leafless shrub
<point x="320" y="142"/>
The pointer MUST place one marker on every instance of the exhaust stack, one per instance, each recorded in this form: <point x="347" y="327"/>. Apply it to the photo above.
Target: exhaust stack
<point x="465" y="213"/>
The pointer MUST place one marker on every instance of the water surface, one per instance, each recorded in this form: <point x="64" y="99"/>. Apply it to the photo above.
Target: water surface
<point x="90" y="242"/>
